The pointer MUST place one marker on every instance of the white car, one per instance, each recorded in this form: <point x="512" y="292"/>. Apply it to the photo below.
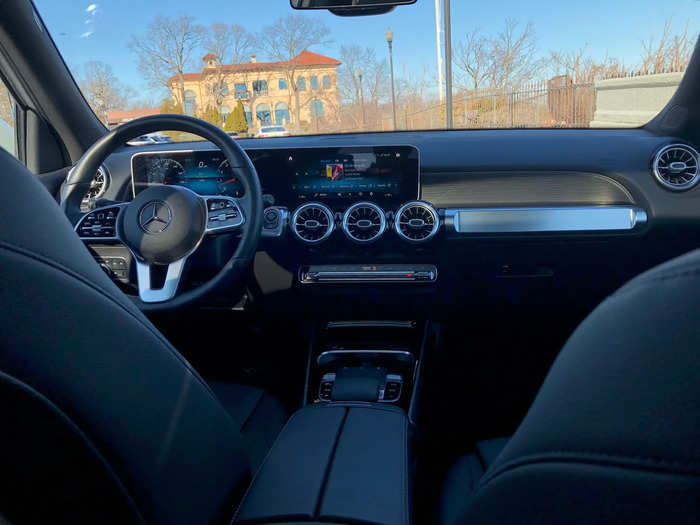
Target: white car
<point x="272" y="131"/>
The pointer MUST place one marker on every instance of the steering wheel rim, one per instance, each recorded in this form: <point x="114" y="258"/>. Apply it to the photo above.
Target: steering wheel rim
<point x="78" y="182"/>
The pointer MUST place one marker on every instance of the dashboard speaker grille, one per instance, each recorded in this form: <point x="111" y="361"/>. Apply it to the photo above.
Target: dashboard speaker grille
<point x="364" y="222"/>
<point x="312" y="223"/>
<point x="417" y="221"/>
<point x="676" y="167"/>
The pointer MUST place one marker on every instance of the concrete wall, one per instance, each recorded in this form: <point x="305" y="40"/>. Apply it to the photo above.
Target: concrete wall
<point x="634" y="101"/>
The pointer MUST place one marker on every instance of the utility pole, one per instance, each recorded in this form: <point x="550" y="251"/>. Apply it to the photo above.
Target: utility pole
<point x="362" y="100"/>
<point x="448" y="64"/>
<point x="389" y="39"/>
<point x="438" y="42"/>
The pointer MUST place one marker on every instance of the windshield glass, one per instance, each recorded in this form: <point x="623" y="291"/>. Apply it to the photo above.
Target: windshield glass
<point x="247" y="65"/>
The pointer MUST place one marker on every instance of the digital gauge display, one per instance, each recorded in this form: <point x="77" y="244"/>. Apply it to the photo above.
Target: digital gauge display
<point x="204" y="172"/>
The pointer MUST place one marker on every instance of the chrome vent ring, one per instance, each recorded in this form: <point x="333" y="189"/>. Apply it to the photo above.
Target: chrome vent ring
<point x="98" y="187"/>
<point x="312" y="223"/>
<point x="676" y="167"/>
<point x="364" y="222"/>
<point x="416" y="221"/>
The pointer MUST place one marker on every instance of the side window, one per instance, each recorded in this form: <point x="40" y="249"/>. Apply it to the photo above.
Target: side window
<point x="8" y="135"/>
<point x="282" y="83"/>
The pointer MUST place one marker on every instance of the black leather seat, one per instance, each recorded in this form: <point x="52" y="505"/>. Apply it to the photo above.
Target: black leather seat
<point x="103" y="421"/>
<point x="613" y="436"/>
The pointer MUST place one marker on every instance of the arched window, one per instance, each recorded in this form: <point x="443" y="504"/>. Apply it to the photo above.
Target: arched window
<point x="190" y="102"/>
<point x="281" y="113"/>
<point x="225" y="110"/>
<point x="326" y="81"/>
<point x="248" y="115"/>
<point x="314" y="82"/>
<point x="301" y="84"/>
<point x="262" y="111"/>
<point x="316" y="108"/>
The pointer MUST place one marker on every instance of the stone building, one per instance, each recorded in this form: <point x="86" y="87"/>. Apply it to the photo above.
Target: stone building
<point x="264" y="89"/>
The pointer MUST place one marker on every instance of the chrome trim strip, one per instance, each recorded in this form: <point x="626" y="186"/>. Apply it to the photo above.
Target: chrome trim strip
<point x="370" y="324"/>
<point x="542" y="220"/>
<point x="404" y="353"/>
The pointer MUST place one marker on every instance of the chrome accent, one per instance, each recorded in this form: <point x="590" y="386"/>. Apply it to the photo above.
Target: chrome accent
<point x="214" y="216"/>
<point x="94" y="183"/>
<point x="283" y="215"/>
<point x="119" y="205"/>
<point x="155" y="217"/>
<point x="399" y="353"/>
<point x="686" y="164"/>
<point x="370" y="324"/>
<point x="169" y="289"/>
<point x="417" y="204"/>
<point x="530" y="220"/>
<point x="366" y="223"/>
<point x="313" y="205"/>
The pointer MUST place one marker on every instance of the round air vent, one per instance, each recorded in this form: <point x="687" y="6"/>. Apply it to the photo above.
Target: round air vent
<point x="364" y="222"/>
<point x="416" y="221"/>
<point x="98" y="187"/>
<point x="312" y="223"/>
<point x="676" y="167"/>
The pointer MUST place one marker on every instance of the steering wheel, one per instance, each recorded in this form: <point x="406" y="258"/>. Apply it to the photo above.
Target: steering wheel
<point x="163" y="225"/>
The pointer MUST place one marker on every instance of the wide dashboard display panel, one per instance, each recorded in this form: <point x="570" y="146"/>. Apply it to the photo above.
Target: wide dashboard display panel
<point x="383" y="174"/>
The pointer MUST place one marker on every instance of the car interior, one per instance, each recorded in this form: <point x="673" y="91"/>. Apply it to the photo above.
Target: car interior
<point x="504" y="329"/>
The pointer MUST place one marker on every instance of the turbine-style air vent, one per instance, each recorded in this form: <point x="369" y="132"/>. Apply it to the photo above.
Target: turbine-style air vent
<point x="312" y="223"/>
<point x="98" y="187"/>
<point x="676" y="167"/>
<point x="364" y="222"/>
<point x="416" y="221"/>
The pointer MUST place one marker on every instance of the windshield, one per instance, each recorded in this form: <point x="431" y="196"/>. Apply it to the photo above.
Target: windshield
<point x="244" y="66"/>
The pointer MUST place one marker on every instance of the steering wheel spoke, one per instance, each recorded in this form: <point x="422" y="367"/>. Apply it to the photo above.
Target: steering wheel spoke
<point x="100" y="224"/>
<point x="173" y="274"/>
<point x="224" y="214"/>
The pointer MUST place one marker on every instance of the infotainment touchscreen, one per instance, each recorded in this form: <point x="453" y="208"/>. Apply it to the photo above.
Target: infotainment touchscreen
<point x="383" y="174"/>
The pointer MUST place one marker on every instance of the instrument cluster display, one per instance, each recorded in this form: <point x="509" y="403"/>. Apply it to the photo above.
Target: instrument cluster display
<point x="334" y="175"/>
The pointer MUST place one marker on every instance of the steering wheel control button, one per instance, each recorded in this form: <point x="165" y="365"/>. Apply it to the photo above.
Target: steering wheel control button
<point x="99" y="224"/>
<point x="163" y="224"/>
<point x="223" y="214"/>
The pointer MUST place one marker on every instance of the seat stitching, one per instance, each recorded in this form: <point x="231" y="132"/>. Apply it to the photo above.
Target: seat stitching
<point x="666" y="465"/>
<point x="41" y="258"/>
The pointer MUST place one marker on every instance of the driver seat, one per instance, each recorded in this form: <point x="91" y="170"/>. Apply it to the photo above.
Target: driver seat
<point x="103" y="420"/>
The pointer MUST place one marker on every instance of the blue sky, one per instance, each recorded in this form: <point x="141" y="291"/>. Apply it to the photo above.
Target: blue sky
<point x="87" y="30"/>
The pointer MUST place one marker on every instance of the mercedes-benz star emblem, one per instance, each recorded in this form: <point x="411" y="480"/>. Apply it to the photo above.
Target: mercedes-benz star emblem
<point x="155" y="216"/>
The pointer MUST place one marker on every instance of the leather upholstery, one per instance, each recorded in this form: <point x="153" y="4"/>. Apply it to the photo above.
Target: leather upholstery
<point x="613" y="436"/>
<point x="68" y="334"/>
<point x="337" y="462"/>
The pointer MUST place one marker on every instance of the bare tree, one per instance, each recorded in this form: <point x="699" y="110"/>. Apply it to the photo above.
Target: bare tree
<point x="102" y="89"/>
<point x="514" y="55"/>
<point x="582" y="69"/>
<point x="374" y="75"/>
<point x="655" y="55"/>
<point x="681" y="49"/>
<point x="284" y="41"/>
<point x="229" y="44"/>
<point x="166" y="50"/>
<point x="474" y="56"/>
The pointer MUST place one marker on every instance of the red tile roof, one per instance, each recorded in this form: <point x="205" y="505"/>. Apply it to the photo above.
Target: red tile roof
<point x="128" y="114"/>
<point x="305" y="58"/>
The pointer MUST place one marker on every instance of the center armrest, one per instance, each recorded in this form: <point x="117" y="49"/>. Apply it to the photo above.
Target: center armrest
<point x="336" y="461"/>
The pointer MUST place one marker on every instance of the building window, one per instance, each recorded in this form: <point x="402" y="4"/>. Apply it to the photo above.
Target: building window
<point x="281" y="113"/>
<point x="248" y="115"/>
<point x="260" y="87"/>
<point x="282" y="83"/>
<point x="190" y="102"/>
<point x="241" y="91"/>
<point x="224" y="110"/>
<point x="316" y="108"/>
<point x="262" y="111"/>
<point x="326" y="82"/>
<point x="314" y="82"/>
<point x="301" y="84"/>
<point x="220" y="89"/>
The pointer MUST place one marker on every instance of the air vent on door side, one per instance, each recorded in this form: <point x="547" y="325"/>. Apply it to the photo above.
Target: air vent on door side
<point x="98" y="187"/>
<point x="364" y="222"/>
<point x="416" y="221"/>
<point x="676" y="167"/>
<point x="312" y="223"/>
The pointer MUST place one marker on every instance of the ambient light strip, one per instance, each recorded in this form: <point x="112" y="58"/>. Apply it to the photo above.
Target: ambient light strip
<point x="543" y="220"/>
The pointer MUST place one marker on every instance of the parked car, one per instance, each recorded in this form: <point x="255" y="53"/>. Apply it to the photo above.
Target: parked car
<point x="153" y="138"/>
<point x="272" y="131"/>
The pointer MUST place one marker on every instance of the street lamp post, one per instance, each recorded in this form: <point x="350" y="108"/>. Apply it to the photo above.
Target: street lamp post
<point x="362" y="100"/>
<point x="389" y="39"/>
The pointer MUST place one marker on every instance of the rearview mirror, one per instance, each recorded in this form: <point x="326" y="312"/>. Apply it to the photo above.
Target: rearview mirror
<point x="346" y="6"/>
